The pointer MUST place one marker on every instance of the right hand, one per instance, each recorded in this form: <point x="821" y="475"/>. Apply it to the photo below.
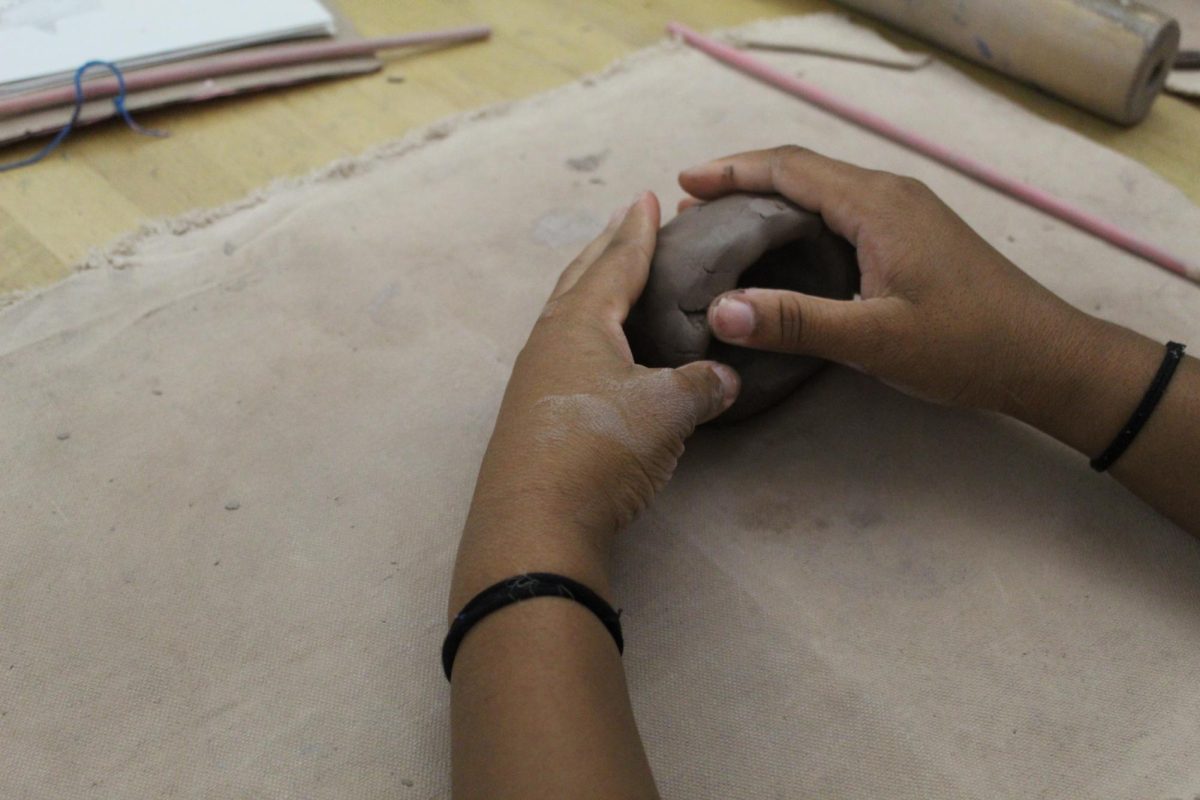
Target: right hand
<point x="943" y="315"/>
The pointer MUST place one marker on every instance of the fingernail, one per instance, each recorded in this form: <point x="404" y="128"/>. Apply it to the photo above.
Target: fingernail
<point x="731" y="383"/>
<point x="732" y="319"/>
<point x="624" y="210"/>
<point x="694" y="170"/>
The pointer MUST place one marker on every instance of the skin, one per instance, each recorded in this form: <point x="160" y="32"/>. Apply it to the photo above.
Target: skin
<point x="585" y="438"/>
<point x="946" y="317"/>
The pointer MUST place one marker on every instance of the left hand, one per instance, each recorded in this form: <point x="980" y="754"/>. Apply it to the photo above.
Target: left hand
<point x="583" y="433"/>
<point x="584" y="439"/>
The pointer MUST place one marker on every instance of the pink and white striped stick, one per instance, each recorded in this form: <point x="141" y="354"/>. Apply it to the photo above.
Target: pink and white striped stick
<point x="1024" y="192"/>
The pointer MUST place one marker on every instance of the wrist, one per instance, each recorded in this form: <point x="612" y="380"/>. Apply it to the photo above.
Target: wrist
<point x="522" y="532"/>
<point x="1083" y="379"/>
<point x="1048" y="368"/>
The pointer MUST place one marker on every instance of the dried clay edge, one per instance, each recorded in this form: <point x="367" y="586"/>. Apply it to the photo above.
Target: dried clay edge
<point x="116" y="254"/>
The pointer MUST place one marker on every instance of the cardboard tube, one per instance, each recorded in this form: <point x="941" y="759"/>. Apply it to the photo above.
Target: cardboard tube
<point x="1110" y="57"/>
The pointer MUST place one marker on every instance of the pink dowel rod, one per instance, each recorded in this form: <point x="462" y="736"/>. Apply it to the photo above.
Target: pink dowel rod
<point x="1024" y="192"/>
<point x="233" y="62"/>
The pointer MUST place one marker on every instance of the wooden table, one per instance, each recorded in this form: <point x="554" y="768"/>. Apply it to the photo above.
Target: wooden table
<point x="104" y="181"/>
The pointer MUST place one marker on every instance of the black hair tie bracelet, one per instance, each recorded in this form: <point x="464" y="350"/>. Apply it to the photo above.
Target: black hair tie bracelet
<point x="1154" y="394"/>
<point x="518" y="589"/>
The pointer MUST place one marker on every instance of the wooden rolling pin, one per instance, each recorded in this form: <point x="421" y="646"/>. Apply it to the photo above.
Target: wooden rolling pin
<point x="1110" y="57"/>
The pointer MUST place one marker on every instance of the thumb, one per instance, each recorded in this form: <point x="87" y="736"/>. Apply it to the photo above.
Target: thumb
<point x="705" y="389"/>
<point x="790" y="322"/>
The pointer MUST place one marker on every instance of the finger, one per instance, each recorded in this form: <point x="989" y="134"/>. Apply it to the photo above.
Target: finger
<point x="838" y="191"/>
<point x="848" y="331"/>
<point x="588" y="255"/>
<point x="686" y="203"/>
<point x="614" y="281"/>
<point x="706" y="388"/>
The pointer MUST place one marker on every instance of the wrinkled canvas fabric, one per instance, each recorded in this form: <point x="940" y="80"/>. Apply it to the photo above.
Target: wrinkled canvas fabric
<point x="237" y="454"/>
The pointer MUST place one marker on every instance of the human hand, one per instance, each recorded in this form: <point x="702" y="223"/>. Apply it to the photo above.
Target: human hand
<point x="583" y="440"/>
<point x="583" y="432"/>
<point x="944" y="316"/>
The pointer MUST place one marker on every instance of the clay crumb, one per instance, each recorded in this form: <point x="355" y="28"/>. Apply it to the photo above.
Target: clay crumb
<point x="156" y="392"/>
<point x="587" y="163"/>
<point x="232" y="505"/>
<point x="407" y="782"/>
<point x="63" y="436"/>
<point x="396" y="79"/>
<point x="228" y="248"/>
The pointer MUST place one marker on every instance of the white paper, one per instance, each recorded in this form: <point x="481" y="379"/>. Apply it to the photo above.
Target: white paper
<point x="42" y="42"/>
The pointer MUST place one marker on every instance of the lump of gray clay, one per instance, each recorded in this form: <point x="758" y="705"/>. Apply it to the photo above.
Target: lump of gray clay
<point x="736" y="241"/>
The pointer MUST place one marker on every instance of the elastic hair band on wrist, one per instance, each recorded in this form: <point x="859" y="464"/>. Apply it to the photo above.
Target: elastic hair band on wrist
<point x="518" y="589"/>
<point x="1134" y="426"/>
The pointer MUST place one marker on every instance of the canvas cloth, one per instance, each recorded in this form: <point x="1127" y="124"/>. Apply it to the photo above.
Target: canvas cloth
<point x="237" y="453"/>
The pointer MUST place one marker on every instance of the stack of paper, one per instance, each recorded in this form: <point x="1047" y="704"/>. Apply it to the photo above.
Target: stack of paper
<point x="43" y="42"/>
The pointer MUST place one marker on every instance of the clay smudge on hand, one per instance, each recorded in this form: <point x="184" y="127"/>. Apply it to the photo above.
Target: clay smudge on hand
<point x="564" y="416"/>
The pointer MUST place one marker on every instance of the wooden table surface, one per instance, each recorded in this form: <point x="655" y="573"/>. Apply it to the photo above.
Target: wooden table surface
<point x="107" y="179"/>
